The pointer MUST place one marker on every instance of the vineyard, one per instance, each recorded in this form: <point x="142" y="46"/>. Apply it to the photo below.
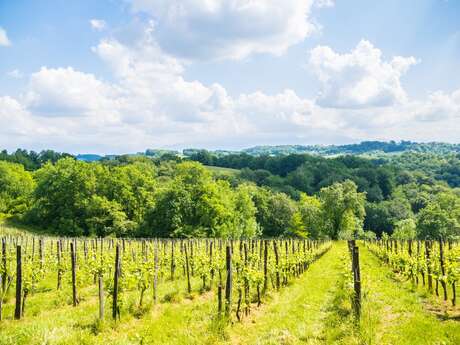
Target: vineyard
<point x="424" y="263"/>
<point x="121" y="280"/>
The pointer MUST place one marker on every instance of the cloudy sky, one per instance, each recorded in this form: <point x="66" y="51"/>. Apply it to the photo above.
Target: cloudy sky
<point x="117" y="76"/>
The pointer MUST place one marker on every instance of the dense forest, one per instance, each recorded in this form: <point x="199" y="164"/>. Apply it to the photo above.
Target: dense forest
<point x="408" y="195"/>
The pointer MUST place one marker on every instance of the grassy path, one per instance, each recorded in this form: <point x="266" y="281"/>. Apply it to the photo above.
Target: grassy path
<point x="394" y="315"/>
<point x="301" y="313"/>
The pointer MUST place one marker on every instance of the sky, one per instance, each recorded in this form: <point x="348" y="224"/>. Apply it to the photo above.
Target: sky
<point x="120" y="76"/>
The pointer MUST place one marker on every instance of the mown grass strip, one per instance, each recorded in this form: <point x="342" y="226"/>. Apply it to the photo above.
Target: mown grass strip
<point x="394" y="315"/>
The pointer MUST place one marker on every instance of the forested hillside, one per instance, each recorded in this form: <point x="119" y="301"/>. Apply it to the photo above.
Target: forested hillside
<point x="371" y="148"/>
<point x="404" y="196"/>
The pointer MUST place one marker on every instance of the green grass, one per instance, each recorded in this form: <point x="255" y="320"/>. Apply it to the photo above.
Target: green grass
<point x="314" y="309"/>
<point x="9" y="226"/>
<point x="222" y="171"/>
<point x="299" y="314"/>
<point x="392" y="314"/>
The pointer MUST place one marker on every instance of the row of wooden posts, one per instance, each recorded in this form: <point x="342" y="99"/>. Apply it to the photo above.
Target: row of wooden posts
<point x="21" y="293"/>
<point x="20" y="296"/>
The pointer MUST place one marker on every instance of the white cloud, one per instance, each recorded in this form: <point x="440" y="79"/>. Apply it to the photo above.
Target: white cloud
<point x="151" y="103"/>
<point x="228" y="29"/>
<point x="439" y="106"/>
<point x="360" y="78"/>
<point x="64" y="92"/>
<point x="151" y="81"/>
<point x="19" y="127"/>
<point x="13" y="117"/>
<point x="4" y="41"/>
<point x="98" y="24"/>
<point x="324" y="3"/>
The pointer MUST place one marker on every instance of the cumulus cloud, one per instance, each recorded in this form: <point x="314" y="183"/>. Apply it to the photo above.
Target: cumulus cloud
<point x="19" y="127"/>
<point x="439" y="106"/>
<point x="98" y="24"/>
<point x="360" y="78"/>
<point x="13" y="117"/>
<point x="4" y="41"/>
<point x="149" y="103"/>
<point x="157" y="94"/>
<point x="228" y="29"/>
<point x="152" y="81"/>
<point x="65" y="92"/>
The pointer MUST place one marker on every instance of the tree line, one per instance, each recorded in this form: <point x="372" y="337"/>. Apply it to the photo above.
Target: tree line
<point x="293" y="195"/>
<point x="169" y="199"/>
<point x="416" y="191"/>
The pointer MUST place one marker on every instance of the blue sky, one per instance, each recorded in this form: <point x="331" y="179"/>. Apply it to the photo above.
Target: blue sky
<point x="114" y="76"/>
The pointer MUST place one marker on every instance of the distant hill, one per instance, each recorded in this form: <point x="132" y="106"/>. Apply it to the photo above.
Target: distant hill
<point x="89" y="157"/>
<point x="365" y="147"/>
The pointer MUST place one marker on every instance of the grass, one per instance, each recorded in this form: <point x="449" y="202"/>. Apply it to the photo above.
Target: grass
<point x="222" y="171"/>
<point x="298" y="314"/>
<point x="314" y="309"/>
<point x="50" y="319"/>
<point x="10" y="226"/>
<point x="392" y="314"/>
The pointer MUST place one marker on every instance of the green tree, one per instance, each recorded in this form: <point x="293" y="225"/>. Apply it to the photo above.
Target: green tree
<point x="441" y="218"/>
<point x="276" y="213"/>
<point x="106" y="218"/>
<point x="312" y="214"/>
<point x="193" y="204"/>
<point x="405" y="229"/>
<point x="16" y="187"/>
<point x="62" y="193"/>
<point x="132" y="186"/>
<point x="343" y="208"/>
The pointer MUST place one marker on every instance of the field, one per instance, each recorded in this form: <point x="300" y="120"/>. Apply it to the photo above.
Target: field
<point x="174" y="292"/>
<point x="222" y="171"/>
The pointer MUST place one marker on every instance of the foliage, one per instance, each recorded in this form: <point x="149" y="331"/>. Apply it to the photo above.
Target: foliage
<point x="32" y="160"/>
<point x="282" y="195"/>
<point x="16" y="187"/>
<point x="344" y="209"/>
<point x="193" y="204"/>
<point x="405" y="230"/>
<point x="440" y="219"/>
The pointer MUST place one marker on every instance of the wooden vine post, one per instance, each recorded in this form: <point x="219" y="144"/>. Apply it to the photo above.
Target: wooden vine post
<point x="187" y="265"/>
<point x="4" y="265"/>
<point x="115" y="308"/>
<point x="73" y="258"/>
<point x="428" y="265"/>
<point x="212" y="266"/>
<point x="275" y="248"/>
<point x="173" y="264"/>
<point x="443" y="269"/>
<point x="18" y="308"/>
<point x="265" y="267"/>
<point x="356" y="281"/>
<point x="59" y="269"/>
<point x="101" y="297"/>
<point x="155" y="274"/>
<point x="228" y="285"/>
